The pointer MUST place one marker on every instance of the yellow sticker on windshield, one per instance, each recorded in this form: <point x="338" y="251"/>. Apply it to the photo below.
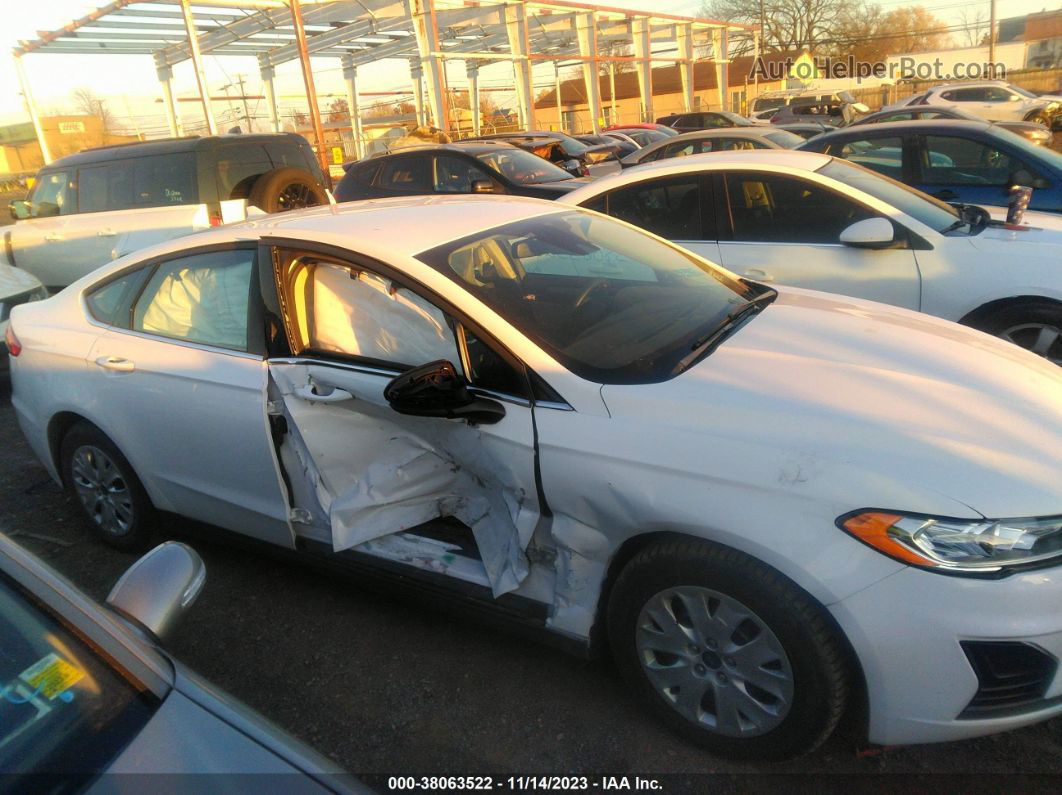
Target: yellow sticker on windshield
<point x="52" y="676"/>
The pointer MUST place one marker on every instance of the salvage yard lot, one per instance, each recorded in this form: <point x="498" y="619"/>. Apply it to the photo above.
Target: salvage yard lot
<point x="386" y="686"/>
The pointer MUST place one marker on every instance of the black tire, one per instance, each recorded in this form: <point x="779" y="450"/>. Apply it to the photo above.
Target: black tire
<point x="1035" y="325"/>
<point x="127" y="528"/>
<point x="286" y="188"/>
<point x="1040" y="118"/>
<point x="816" y="661"/>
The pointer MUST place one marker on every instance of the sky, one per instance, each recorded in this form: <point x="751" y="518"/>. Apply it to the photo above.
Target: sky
<point x="129" y="85"/>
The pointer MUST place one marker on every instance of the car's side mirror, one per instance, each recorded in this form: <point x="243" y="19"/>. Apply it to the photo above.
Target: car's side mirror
<point x="436" y="389"/>
<point x="20" y="209"/>
<point x="160" y="587"/>
<point x="869" y="233"/>
<point x="483" y="186"/>
<point x="573" y="167"/>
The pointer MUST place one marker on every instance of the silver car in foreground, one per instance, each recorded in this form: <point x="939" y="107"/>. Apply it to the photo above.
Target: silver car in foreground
<point x="87" y="691"/>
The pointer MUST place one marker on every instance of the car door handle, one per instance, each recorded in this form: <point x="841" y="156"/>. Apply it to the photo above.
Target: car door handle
<point x="758" y="275"/>
<point x="53" y="237"/>
<point x="106" y="233"/>
<point x="116" y="363"/>
<point x="309" y="392"/>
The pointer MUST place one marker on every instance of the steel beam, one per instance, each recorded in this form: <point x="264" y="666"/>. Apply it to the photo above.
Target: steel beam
<point x="516" y="32"/>
<point x="722" y="62"/>
<point x="268" y="73"/>
<point x="350" y="75"/>
<point x="165" y="74"/>
<point x="197" y="65"/>
<point x="416" y="77"/>
<point x="307" y="79"/>
<point x="426" y="32"/>
<point x="684" y="36"/>
<point x="472" y="72"/>
<point x="31" y="108"/>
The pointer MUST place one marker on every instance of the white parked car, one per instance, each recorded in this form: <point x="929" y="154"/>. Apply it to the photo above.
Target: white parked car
<point x="996" y="100"/>
<point x="814" y="221"/>
<point x="774" y="505"/>
<point x="89" y="208"/>
<point x="17" y="287"/>
<point x="725" y="139"/>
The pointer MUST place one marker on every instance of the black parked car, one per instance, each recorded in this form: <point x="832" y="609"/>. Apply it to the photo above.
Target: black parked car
<point x="620" y="147"/>
<point x="703" y="120"/>
<point x="573" y="156"/>
<point x="1034" y="131"/>
<point x="465" y="167"/>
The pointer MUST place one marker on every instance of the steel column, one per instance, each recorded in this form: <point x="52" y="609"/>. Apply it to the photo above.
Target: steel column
<point x="684" y="39"/>
<point x="350" y="75"/>
<point x="586" y="29"/>
<point x="516" y="30"/>
<point x="426" y="32"/>
<point x="165" y="74"/>
<point x="415" y="77"/>
<point x="720" y="44"/>
<point x="31" y="108"/>
<point x="472" y="72"/>
<point x="197" y="66"/>
<point x="640" y="33"/>
<point x="560" y="108"/>
<point x="268" y="73"/>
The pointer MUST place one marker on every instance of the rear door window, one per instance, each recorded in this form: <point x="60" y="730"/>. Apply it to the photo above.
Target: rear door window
<point x="884" y="154"/>
<point x="239" y="165"/>
<point x="410" y="174"/>
<point x="669" y="207"/>
<point x="950" y="160"/>
<point x="153" y="181"/>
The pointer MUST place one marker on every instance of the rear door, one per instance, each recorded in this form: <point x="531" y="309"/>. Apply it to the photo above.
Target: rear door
<point x="403" y="488"/>
<point x="786" y="229"/>
<point x="970" y="170"/>
<point x="406" y="175"/>
<point x="41" y="244"/>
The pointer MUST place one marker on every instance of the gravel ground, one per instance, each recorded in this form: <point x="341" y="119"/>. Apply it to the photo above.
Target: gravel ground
<point x="387" y="686"/>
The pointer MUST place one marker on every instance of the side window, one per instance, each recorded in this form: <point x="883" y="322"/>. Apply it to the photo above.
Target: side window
<point x="406" y="173"/>
<point x="770" y="208"/>
<point x="239" y="165"/>
<point x="970" y="95"/>
<point x="962" y="161"/>
<point x="199" y="298"/>
<point x="164" y="180"/>
<point x="106" y="303"/>
<point x="489" y="370"/>
<point x="712" y="120"/>
<point x="340" y="309"/>
<point x="597" y="204"/>
<point x="997" y="94"/>
<point x="53" y="195"/>
<point x="668" y="207"/>
<point x="454" y="175"/>
<point x="884" y="155"/>
<point x="282" y="155"/>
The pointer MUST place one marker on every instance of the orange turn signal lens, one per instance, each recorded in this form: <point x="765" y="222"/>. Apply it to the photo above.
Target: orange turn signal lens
<point x="873" y="528"/>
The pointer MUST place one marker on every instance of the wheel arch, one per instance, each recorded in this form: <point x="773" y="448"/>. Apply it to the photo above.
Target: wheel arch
<point x="976" y="317"/>
<point x="857" y="714"/>
<point x="58" y="427"/>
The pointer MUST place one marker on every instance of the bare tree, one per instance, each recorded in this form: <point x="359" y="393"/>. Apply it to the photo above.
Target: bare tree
<point x="87" y="103"/>
<point x="974" y="26"/>
<point x="787" y="24"/>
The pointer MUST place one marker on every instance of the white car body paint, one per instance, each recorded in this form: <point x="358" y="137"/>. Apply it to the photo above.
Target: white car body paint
<point x="16" y="284"/>
<point x="954" y="277"/>
<point x="818" y="406"/>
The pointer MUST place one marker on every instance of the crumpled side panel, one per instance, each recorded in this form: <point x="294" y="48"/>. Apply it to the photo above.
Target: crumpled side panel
<point x="383" y="473"/>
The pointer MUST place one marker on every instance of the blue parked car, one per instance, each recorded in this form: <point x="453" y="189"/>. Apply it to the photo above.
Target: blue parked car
<point x="969" y="162"/>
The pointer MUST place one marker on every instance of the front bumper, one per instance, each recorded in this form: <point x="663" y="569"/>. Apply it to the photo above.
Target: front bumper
<point x="907" y="631"/>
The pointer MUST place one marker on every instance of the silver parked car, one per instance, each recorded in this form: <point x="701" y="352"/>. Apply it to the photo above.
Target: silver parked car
<point x="86" y="690"/>
<point x="725" y="139"/>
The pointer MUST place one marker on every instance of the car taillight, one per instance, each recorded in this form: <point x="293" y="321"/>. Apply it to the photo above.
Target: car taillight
<point x="14" y="347"/>
<point x="584" y="170"/>
<point x="215" y="219"/>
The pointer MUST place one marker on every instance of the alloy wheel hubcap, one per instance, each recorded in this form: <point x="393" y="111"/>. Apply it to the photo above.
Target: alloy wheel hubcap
<point x="102" y="490"/>
<point x="1042" y="339"/>
<point x="296" y="196"/>
<point x="714" y="661"/>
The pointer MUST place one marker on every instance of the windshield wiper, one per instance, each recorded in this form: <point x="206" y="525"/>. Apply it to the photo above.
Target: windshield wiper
<point x="971" y="215"/>
<point x="705" y="344"/>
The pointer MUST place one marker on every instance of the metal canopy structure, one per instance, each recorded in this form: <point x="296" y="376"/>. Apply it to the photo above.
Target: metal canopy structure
<point x="426" y="33"/>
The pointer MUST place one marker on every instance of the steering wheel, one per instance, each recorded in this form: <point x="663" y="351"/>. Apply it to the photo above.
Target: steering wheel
<point x="595" y="285"/>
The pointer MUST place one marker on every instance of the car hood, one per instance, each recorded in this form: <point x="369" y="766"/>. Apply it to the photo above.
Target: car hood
<point x="14" y="281"/>
<point x="862" y="405"/>
<point x="1041" y="231"/>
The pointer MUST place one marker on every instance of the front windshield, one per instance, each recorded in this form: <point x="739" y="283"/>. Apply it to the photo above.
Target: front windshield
<point x="1024" y="92"/>
<point x="63" y="708"/>
<point x="523" y="167"/>
<point x="785" y="139"/>
<point x="572" y="146"/>
<point x="609" y="302"/>
<point x="932" y="212"/>
<point x="767" y="103"/>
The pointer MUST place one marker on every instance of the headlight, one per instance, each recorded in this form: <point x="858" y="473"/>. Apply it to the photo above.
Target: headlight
<point x="961" y="546"/>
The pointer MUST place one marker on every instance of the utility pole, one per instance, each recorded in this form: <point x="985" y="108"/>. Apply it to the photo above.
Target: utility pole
<point x="243" y="96"/>
<point x="763" y="27"/>
<point x="992" y="31"/>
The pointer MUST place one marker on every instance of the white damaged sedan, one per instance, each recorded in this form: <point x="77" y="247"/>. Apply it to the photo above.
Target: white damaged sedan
<point x="771" y="505"/>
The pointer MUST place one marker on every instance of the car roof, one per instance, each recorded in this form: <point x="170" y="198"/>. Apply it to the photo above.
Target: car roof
<point x="785" y="158"/>
<point x="399" y="226"/>
<point x="725" y="132"/>
<point x="469" y="147"/>
<point x="973" y="84"/>
<point x="921" y="125"/>
<point x="166" y="146"/>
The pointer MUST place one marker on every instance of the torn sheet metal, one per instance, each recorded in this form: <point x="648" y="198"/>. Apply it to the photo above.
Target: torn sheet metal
<point x="375" y="472"/>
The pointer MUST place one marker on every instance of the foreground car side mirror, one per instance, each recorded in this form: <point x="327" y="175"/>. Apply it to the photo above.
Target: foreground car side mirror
<point x="483" y="186"/>
<point x="20" y="209"/>
<point x="869" y="233"/>
<point x="160" y="587"/>
<point x="436" y="389"/>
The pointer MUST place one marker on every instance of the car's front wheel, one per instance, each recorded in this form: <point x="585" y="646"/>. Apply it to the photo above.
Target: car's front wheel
<point x="1033" y="325"/>
<point x="727" y="651"/>
<point x="111" y="496"/>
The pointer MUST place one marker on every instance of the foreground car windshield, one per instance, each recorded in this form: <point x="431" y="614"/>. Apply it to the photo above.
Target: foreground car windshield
<point x="522" y="167"/>
<point x="932" y="212"/>
<point x="611" y="303"/>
